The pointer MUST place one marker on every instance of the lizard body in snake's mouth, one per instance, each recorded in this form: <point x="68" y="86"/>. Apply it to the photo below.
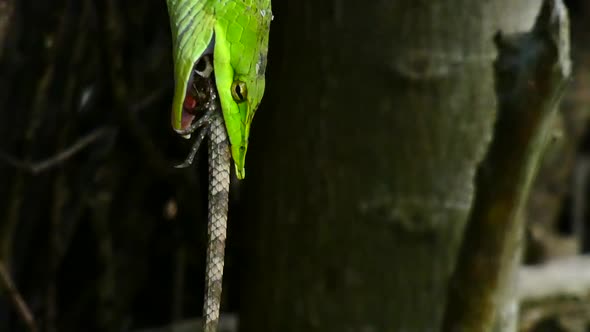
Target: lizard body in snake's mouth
<point x="198" y="95"/>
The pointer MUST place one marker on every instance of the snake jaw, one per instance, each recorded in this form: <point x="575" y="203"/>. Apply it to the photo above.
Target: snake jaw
<point x="198" y="96"/>
<point x="186" y="121"/>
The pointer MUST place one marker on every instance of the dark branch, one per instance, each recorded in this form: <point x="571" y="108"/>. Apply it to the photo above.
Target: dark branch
<point x="44" y="165"/>
<point x="21" y="307"/>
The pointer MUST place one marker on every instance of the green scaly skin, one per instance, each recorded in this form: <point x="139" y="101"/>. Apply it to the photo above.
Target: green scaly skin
<point x="240" y="29"/>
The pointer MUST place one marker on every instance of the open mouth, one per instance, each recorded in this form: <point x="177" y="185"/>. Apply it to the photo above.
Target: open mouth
<point x="188" y="111"/>
<point x="198" y="95"/>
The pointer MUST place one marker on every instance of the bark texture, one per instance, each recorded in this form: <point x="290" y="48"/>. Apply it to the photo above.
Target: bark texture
<point x="363" y="161"/>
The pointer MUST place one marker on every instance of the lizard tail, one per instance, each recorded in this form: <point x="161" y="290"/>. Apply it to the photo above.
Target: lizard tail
<point x="219" y="170"/>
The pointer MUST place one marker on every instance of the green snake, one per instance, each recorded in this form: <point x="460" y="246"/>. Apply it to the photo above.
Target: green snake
<point x="235" y="34"/>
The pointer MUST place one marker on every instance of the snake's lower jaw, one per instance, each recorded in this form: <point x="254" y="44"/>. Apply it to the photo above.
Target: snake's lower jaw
<point x="185" y="121"/>
<point x="238" y="153"/>
<point x="239" y="163"/>
<point x="240" y="172"/>
<point x="179" y="132"/>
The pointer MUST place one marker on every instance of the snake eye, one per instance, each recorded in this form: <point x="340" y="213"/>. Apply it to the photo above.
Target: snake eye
<point x="239" y="91"/>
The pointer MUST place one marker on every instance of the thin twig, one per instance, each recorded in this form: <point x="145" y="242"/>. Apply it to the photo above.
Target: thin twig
<point x="44" y="165"/>
<point x="69" y="152"/>
<point x="21" y="307"/>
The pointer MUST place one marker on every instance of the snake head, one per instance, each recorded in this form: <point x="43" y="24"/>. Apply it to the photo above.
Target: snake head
<point x="239" y="64"/>
<point x="238" y="34"/>
<point x="240" y="93"/>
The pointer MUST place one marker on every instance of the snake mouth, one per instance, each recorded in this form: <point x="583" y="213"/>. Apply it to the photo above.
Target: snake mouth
<point x="186" y="120"/>
<point x="190" y="109"/>
<point x="198" y="95"/>
<point x="187" y="117"/>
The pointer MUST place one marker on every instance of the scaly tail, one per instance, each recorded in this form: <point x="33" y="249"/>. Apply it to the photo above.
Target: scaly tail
<point x="219" y="168"/>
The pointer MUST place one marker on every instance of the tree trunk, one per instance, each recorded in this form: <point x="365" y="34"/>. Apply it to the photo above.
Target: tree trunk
<point x="363" y="157"/>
